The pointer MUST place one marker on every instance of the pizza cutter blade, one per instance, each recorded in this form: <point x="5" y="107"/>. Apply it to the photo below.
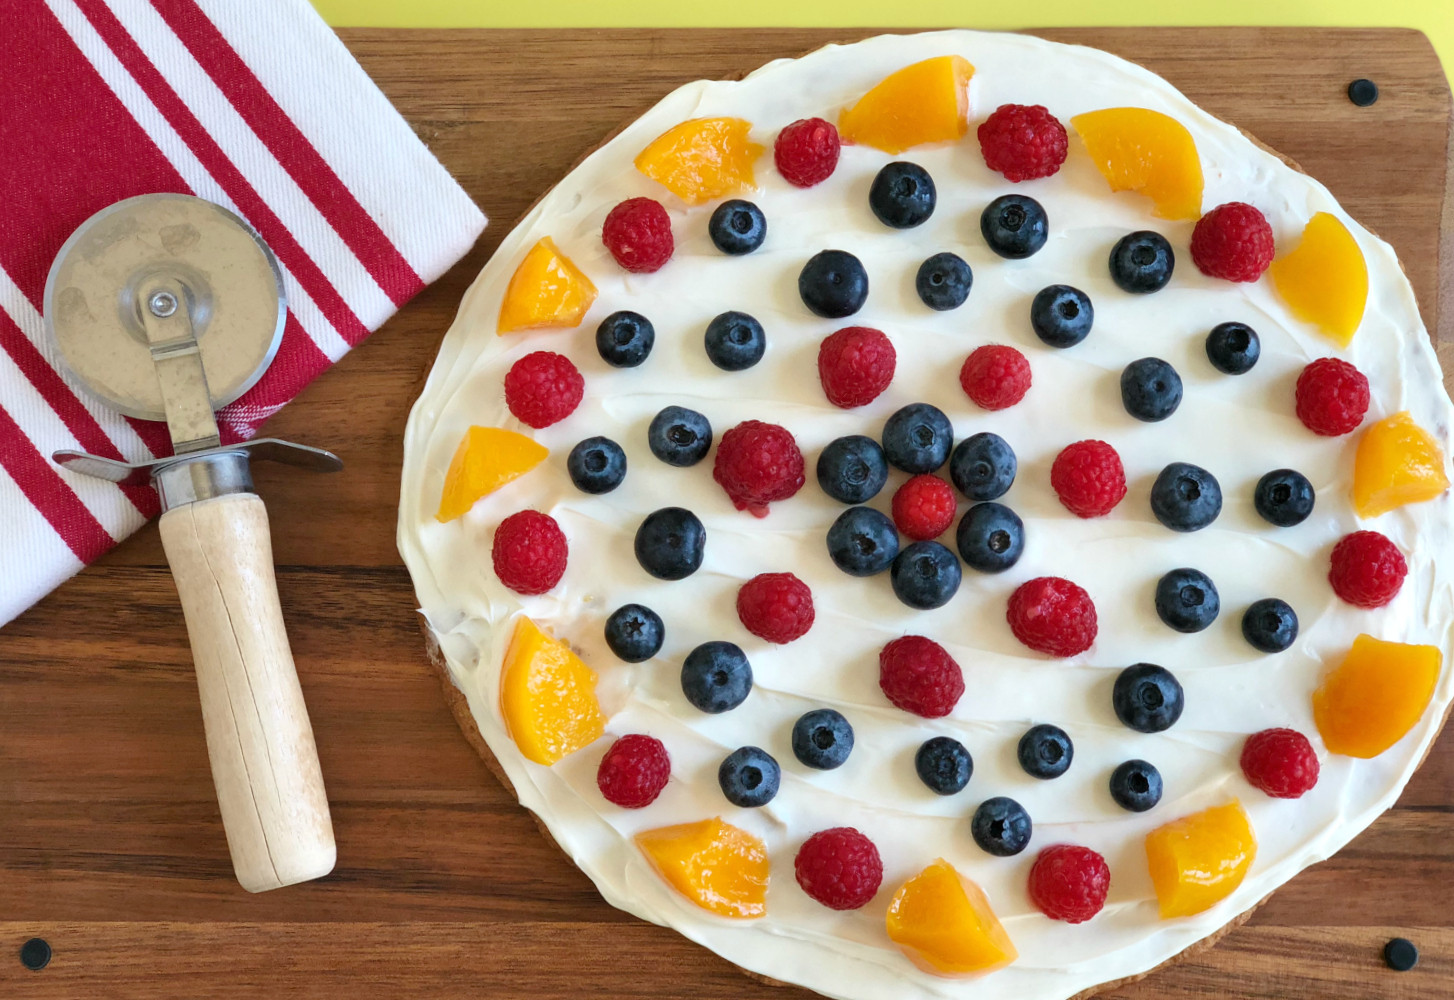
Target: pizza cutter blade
<point x="167" y="307"/>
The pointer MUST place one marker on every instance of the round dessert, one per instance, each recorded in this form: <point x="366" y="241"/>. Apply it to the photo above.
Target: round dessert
<point x="925" y="526"/>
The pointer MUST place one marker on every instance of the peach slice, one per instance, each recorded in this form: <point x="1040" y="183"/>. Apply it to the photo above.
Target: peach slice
<point x="720" y="867"/>
<point x="547" y="289"/>
<point x="925" y="102"/>
<point x="1398" y="463"/>
<point x="702" y="159"/>
<point x="548" y="696"/>
<point x="1375" y="696"/>
<point x="486" y="459"/>
<point x="1137" y="149"/>
<point x="944" y="923"/>
<point x="1197" y="861"/>
<point x="1324" y="279"/>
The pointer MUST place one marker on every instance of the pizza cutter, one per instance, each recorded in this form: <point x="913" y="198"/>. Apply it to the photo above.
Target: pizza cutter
<point x="167" y="307"/>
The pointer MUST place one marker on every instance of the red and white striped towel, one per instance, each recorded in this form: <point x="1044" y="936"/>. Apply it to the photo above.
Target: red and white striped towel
<point x="252" y="104"/>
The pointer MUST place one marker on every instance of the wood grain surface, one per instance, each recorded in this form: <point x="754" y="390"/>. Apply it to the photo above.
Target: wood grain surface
<point x="111" y="846"/>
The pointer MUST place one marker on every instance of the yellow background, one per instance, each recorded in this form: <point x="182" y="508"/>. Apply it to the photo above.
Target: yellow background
<point x="1434" y="17"/>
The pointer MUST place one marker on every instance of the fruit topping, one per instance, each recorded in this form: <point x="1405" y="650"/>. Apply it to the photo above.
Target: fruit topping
<point x="737" y="227"/>
<point x="1061" y="316"/>
<point x="1045" y="751"/>
<point x="925" y="102"/>
<point x="1284" y="497"/>
<point x="925" y="575"/>
<point x="1186" y="497"/>
<point x="1150" y="389"/>
<point x="758" y="463"/>
<point x="716" y="677"/>
<point x="919" y="676"/>
<point x="833" y="284"/>
<point x="917" y="438"/>
<point x="983" y="466"/>
<point x="529" y="552"/>
<point x="547" y="696"/>
<point x="1001" y="826"/>
<point x="1136" y="785"/>
<point x="822" y="739"/>
<point x="1233" y="348"/>
<point x="1324" y="279"/>
<point x="1022" y="142"/>
<point x="1187" y="600"/>
<point x="1269" y="625"/>
<point x="634" y="771"/>
<point x="862" y="541"/>
<point x="852" y="469"/>
<point x="1232" y="241"/>
<point x="1147" y="698"/>
<point x="943" y="281"/>
<point x="702" y="159"/>
<point x="635" y="632"/>
<point x="486" y="459"/>
<point x="1367" y="570"/>
<point x="1069" y="883"/>
<point x="1052" y="615"/>
<point x="638" y="234"/>
<point x="1137" y="149"/>
<point x="1331" y="397"/>
<point x="839" y="868"/>
<point x="545" y="290"/>
<point x="1142" y="262"/>
<point x="720" y="867"/>
<point x="1375" y="696"/>
<point x="944" y="924"/>
<point x="1199" y="860"/>
<point x="679" y="436"/>
<point x="995" y="377"/>
<point x="1280" y="762"/>
<point x="991" y="537"/>
<point x="923" y="507"/>
<point x="1398" y="463"/>
<point x="735" y="341"/>
<point x="670" y="543"/>
<point x="902" y="195"/>
<point x="1014" y="226"/>
<point x="776" y="607"/>
<point x="943" y="764"/>
<point x="749" y="777"/>
<point x="624" y="339"/>
<point x="596" y="465"/>
<point x="855" y="365"/>
<point x="543" y="388"/>
<point x="1088" y="478"/>
<point x="806" y="152"/>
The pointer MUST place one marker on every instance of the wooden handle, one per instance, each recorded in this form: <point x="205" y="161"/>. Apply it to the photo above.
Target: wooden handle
<point x="264" y="761"/>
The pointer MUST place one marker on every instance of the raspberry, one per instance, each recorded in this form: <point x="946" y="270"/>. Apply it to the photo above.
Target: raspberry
<point x="919" y="676"/>
<point x="924" y="507"/>
<point x="1280" y="762"/>
<point x="1051" y="615"/>
<point x="758" y="463"/>
<point x="1367" y="569"/>
<point x="995" y="377"/>
<point x="1088" y="478"/>
<point x="855" y="365"/>
<point x="1232" y="241"/>
<point x="806" y="152"/>
<point x="638" y="234"/>
<point x="543" y="388"/>
<point x="1069" y="883"/>
<point x="777" y="607"/>
<point x="839" y="868"/>
<point x="529" y="552"/>
<point x="1022" y="142"/>
<point x="1332" y="397"/>
<point x="634" y="771"/>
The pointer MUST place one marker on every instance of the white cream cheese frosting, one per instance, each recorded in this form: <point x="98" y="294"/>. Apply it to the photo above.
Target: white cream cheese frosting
<point x="1237" y="427"/>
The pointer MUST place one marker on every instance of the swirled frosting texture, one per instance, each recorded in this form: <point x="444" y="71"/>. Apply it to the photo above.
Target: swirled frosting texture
<point x="1238" y="428"/>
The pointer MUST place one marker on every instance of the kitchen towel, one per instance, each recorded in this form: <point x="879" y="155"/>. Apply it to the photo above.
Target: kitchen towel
<point x="253" y="104"/>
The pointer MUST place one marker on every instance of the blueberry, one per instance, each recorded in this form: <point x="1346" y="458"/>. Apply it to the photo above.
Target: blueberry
<point x="1150" y="389"/>
<point x="749" y="777"/>
<point x="735" y="341"/>
<point x="944" y="765"/>
<point x="679" y="436"/>
<point x="1045" y="751"/>
<point x="670" y="543"/>
<point x="1136" y="785"/>
<point x="1014" y="226"/>
<point x="1187" y="600"/>
<point x="833" y="284"/>
<point x="1269" y="625"/>
<point x="1001" y="827"/>
<point x="917" y="438"/>
<point x="1061" y="315"/>
<point x="1186" y="497"/>
<point x="737" y="227"/>
<point x="990" y="538"/>
<point x="862" y="541"/>
<point x="716" y="677"/>
<point x="983" y="466"/>
<point x="852" y="469"/>
<point x="1284" y="497"/>
<point x="822" y="739"/>
<point x="1147" y="698"/>
<point x="1233" y="348"/>
<point x="624" y="339"/>
<point x="634" y="632"/>
<point x="1142" y="262"/>
<point x="925" y="575"/>
<point x="943" y="281"/>
<point x="902" y="195"/>
<point x="596" y="465"/>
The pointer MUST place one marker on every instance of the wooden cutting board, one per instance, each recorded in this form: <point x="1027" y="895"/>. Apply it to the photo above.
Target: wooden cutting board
<point x="110" y="843"/>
